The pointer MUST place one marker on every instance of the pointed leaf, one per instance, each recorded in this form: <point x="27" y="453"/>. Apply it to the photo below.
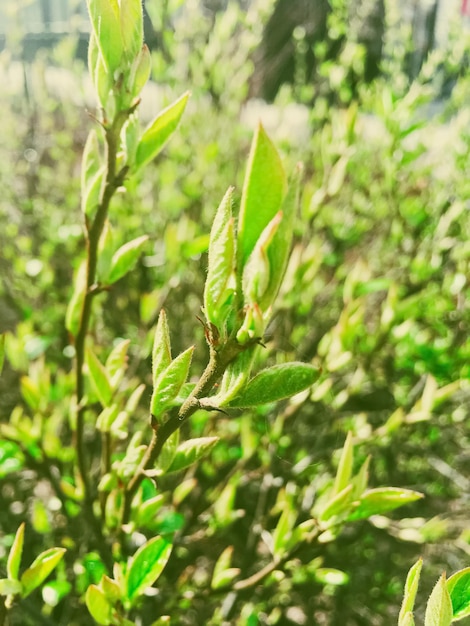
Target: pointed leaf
<point x="161" y="352"/>
<point x="279" y="248"/>
<point x="235" y="377"/>
<point x="99" y="378"/>
<point x="411" y="588"/>
<point x="74" y="309"/>
<point x="169" y="383"/>
<point x="125" y="258"/>
<point x="111" y="589"/>
<point x="191" y="451"/>
<point x="98" y="605"/>
<point x="408" y="620"/>
<point x="169" y="451"/>
<point x="458" y="587"/>
<point x="382" y="500"/>
<point x="283" y="530"/>
<point x="131" y="27"/>
<point x="337" y="504"/>
<point x="361" y="480"/>
<point x="160" y="130"/>
<point x="116" y="362"/>
<point x="104" y="15"/>
<point x="263" y="193"/>
<point x="14" y="557"/>
<point x="439" y="606"/>
<point x="146" y="566"/>
<point x="343" y="475"/>
<point x="221" y="264"/>
<point x="276" y="383"/>
<point x="40" y="569"/>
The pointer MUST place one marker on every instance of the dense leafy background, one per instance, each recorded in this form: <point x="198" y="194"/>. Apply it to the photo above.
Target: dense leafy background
<point x="376" y="294"/>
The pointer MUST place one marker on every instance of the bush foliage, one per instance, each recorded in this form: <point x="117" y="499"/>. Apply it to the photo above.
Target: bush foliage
<point x="215" y="400"/>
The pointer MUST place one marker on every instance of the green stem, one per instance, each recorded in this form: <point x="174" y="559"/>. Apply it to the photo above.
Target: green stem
<point x="218" y="362"/>
<point x="114" y="180"/>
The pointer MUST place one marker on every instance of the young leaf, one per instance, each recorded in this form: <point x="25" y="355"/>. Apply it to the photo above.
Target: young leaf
<point x="14" y="556"/>
<point x="170" y="382"/>
<point x="279" y="249"/>
<point x="458" y="587"/>
<point x="263" y="192"/>
<point x="124" y="259"/>
<point x="98" y="605"/>
<point x="439" y="606"/>
<point x="10" y="587"/>
<point x="111" y="589"/>
<point x="100" y="378"/>
<point x="382" y="500"/>
<point x="361" y="479"/>
<point x="40" y="569"/>
<point x="91" y="164"/>
<point x="161" y="352"/>
<point x="343" y="474"/>
<point x="223" y="573"/>
<point x="116" y="362"/>
<point x="131" y="27"/>
<point x="411" y="588"/>
<point x="276" y="383"/>
<point x="221" y="264"/>
<point x="160" y="130"/>
<point x="235" y="376"/>
<point x="408" y="620"/>
<point x="74" y="309"/>
<point x="146" y="566"/>
<point x="283" y="530"/>
<point x="337" y="504"/>
<point x="140" y="71"/>
<point x="104" y="15"/>
<point x="191" y="451"/>
<point x="168" y="451"/>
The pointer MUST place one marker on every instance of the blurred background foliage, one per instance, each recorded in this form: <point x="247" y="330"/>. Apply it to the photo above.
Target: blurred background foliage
<point x="376" y="292"/>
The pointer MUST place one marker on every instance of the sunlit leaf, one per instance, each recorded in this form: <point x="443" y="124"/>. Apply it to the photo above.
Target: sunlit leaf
<point x="14" y="556"/>
<point x="382" y="500"/>
<point x="160" y="130"/>
<point x="125" y="258"/>
<point x="191" y="451"/>
<point x="146" y="566"/>
<point x="276" y="383"/>
<point x="458" y="586"/>
<point x="40" y="569"/>
<point x="439" y="606"/>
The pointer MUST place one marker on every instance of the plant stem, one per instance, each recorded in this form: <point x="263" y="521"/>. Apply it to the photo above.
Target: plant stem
<point x="218" y="362"/>
<point x="114" y="180"/>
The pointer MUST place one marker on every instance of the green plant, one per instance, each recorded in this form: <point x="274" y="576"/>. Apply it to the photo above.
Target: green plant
<point x="216" y="472"/>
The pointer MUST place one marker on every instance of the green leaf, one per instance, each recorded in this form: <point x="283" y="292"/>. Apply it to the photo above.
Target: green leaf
<point x="116" y="362"/>
<point x="99" y="377"/>
<point x="276" y="383"/>
<point x="344" y="472"/>
<point x="124" y="259"/>
<point x="146" y="566"/>
<point x="382" y="500"/>
<point x="191" y="451"/>
<point x="170" y="382"/>
<point x="131" y="27"/>
<point x="10" y="587"/>
<point x="337" y="504"/>
<point x="458" y="587"/>
<point x="111" y="589"/>
<point x="219" y="287"/>
<point x="439" y="606"/>
<point x="279" y="249"/>
<point x="14" y="556"/>
<point x="235" y="377"/>
<point x="74" y="309"/>
<point x="140" y="71"/>
<point x="161" y="352"/>
<point x="147" y="510"/>
<point x="223" y="573"/>
<point x="40" y="569"/>
<point x="263" y="193"/>
<point x="105" y="21"/>
<point x="98" y="605"/>
<point x="2" y="351"/>
<point x="168" y="451"/>
<point x="283" y="530"/>
<point x="91" y="166"/>
<point x="160" y="130"/>
<point x="331" y="576"/>
<point x="411" y="588"/>
<point x="408" y="620"/>
<point x="361" y="479"/>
